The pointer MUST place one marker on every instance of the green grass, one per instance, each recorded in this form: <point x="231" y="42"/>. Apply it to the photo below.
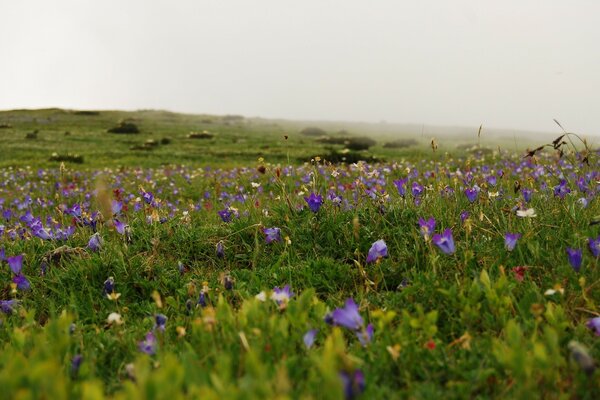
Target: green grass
<point x="454" y="326"/>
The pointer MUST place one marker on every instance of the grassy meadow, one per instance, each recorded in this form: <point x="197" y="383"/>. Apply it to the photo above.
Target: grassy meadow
<point x="243" y="264"/>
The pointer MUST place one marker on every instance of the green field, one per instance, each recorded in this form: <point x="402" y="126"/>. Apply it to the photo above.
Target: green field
<point x="153" y="269"/>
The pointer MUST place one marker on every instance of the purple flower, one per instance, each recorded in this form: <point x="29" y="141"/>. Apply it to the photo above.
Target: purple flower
<point x="416" y="189"/>
<point x="561" y="190"/>
<point x="365" y="336"/>
<point x="471" y="194"/>
<point x="120" y="226"/>
<point x="42" y="233"/>
<point x="445" y="241"/>
<point x="95" y="242"/>
<point x="109" y="286"/>
<point x="225" y="214"/>
<point x="401" y="186"/>
<point x="116" y="207"/>
<point x="427" y="227"/>
<point x="148" y="197"/>
<point x="220" y="250"/>
<point x="148" y="345"/>
<point x="377" y="251"/>
<point x="21" y="282"/>
<point x="8" y="306"/>
<point x="575" y="257"/>
<point x="314" y="202"/>
<point x="282" y="296"/>
<point x="510" y="240"/>
<point x="353" y="383"/>
<point x="15" y="263"/>
<point x="347" y="316"/>
<point x="594" y="324"/>
<point x="202" y="299"/>
<point x="464" y="215"/>
<point x="272" y="235"/>
<point x="527" y="194"/>
<point x="160" y="321"/>
<point x="594" y="245"/>
<point x="76" y="363"/>
<point x="309" y="338"/>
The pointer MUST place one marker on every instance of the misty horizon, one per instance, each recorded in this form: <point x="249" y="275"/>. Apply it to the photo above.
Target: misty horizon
<point x="509" y="66"/>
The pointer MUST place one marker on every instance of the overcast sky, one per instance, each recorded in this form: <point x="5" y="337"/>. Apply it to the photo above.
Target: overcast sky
<point x="511" y="63"/>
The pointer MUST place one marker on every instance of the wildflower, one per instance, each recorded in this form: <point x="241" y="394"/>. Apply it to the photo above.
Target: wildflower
<point x="225" y="214"/>
<point x="75" y="364"/>
<point x="202" y="299"/>
<point x="120" y="226"/>
<point x="464" y="215"/>
<point x="95" y="242"/>
<point x="148" y="197"/>
<point x="220" y="250"/>
<point x="416" y="189"/>
<point x="561" y="190"/>
<point x="347" y="316"/>
<point x="282" y="296"/>
<point x="272" y="235"/>
<point x="401" y="186"/>
<point x="160" y="320"/>
<point x="510" y="240"/>
<point x="8" y="306"/>
<point x="527" y="194"/>
<point x="377" y="251"/>
<point x="427" y="227"/>
<point x="575" y="258"/>
<point x="519" y="273"/>
<point x="365" y="335"/>
<point x="528" y="213"/>
<point x="353" y="383"/>
<point x="15" y="263"/>
<point x="148" y="345"/>
<point x="314" y="202"/>
<point x="471" y="194"/>
<point x="445" y="241"/>
<point x="582" y="356"/>
<point x="116" y="207"/>
<point x="594" y="245"/>
<point x="21" y="282"/>
<point x="109" y="286"/>
<point x="262" y="296"/>
<point x="594" y="324"/>
<point x="309" y="338"/>
<point x="114" y="318"/>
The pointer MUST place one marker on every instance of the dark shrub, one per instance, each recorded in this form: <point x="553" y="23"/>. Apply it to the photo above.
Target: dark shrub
<point x="165" y="140"/>
<point x="68" y="157"/>
<point x="400" y="143"/>
<point x="312" y="131"/>
<point x="360" y="143"/>
<point x="200" y="135"/>
<point x="125" y="128"/>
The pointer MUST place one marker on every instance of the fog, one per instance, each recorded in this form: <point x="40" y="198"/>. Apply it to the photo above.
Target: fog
<point x="510" y="64"/>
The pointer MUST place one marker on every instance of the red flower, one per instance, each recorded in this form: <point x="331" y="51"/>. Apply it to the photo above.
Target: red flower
<point x="519" y="273"/>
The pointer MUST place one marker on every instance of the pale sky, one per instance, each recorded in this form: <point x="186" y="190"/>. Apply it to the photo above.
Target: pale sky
<point x="508" y="64"/>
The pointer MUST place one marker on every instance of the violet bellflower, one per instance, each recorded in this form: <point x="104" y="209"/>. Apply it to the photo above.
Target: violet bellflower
<point x="445" y="241"/>
<point x="575" y="257"/>
<point x="314" y="201"/>
<point x="401" y="186"/>
<point x="594" y="245"/>
<point x="471" y="194"/>
<point x="8" y="306"/>
<point x="272" y="235"/>
<point x="95" y="242"/>
<point x="282" y="296"/>
<point x="347" y="316"/>
<point x="309" y="338"/>
<point x="16" y="265"/>
<point x="510" y="240"/>
<point x="353" y="383"/>
<point x="377" y="251"/>
<point x="148" y="345"/>
<point x="226" y="214"/>
<point x="427" y="227"/>
<point x="594" y="324"/>
<point x="561" y="190"/>
<point x="160" y="321"/>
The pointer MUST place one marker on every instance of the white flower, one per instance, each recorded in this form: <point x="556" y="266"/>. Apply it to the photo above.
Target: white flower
<point x="262" y="296"/>
<point x="114" y="318"/>
<point x="529" y="213"/>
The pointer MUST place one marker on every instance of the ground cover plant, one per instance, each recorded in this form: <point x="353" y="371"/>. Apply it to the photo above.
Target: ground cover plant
<point x="467" y="276"/>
